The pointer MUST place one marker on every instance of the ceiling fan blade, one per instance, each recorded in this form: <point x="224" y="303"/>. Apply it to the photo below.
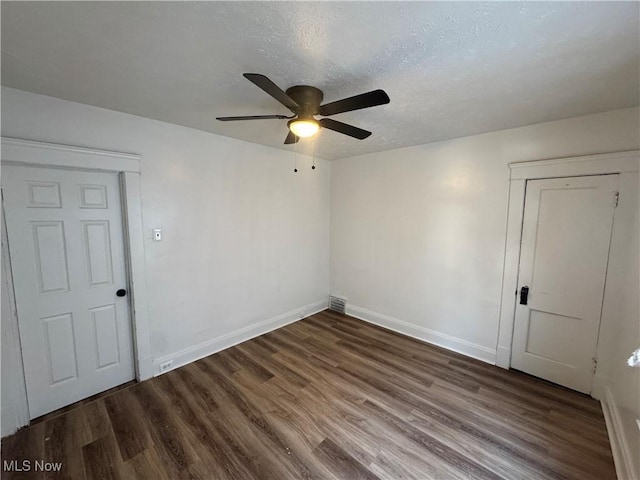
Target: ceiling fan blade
<point x="364" y="100"/>
<point x="251" y="117"/>
<point x="272" y="89"/>
<point x="345" y="128"/>
<point x="291" y="138"/>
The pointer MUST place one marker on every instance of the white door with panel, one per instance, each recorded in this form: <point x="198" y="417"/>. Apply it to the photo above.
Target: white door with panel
<point x="566" y="234"/>
<point x="68" y="261"/>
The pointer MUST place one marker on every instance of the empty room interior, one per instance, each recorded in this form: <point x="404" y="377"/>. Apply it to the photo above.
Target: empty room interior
<point x="328" y="240"/>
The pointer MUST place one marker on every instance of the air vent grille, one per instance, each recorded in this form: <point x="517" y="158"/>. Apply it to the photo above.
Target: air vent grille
<point x="338" y="304"/>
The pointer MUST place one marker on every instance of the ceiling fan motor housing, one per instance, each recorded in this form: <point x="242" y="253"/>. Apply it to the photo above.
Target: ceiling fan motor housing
<point x="307" y="97"/>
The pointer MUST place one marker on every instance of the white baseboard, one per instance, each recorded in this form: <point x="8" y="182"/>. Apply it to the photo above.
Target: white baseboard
<point x="619" y="446"/>
<point x="443" y="340"/>
<point x="204" y="349"/>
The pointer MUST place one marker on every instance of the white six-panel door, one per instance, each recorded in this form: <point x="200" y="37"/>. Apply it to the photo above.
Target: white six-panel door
<point x="565" y="246"/>
<point x="67" y="258"/>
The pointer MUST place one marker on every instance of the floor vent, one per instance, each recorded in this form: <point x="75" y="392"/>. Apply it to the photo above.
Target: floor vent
<point x="338" y="304"/>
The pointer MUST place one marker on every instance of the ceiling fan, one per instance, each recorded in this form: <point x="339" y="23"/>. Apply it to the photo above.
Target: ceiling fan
<point x="304" y="102"/>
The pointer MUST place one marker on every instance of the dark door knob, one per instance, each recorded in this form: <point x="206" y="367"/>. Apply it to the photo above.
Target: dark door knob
<point x="121" y="293"/>
<point x="524" y="295"/>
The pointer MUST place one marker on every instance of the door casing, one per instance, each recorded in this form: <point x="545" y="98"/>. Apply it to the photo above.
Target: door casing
<point x="626" y="164"/>
<point x="127" y="166"/>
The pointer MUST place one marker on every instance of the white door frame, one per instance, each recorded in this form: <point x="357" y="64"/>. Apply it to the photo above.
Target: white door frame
<point x="623" y="163"/>
<point x="127" y="166"/>
<point x="17" y="410"/>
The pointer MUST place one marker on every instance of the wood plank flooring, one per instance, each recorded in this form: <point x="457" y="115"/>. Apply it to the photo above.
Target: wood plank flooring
<point x="328" y="397"/>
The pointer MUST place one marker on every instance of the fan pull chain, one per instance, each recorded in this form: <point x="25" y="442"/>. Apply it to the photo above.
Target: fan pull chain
<point x="295" y="158"/>
<point x="313" y="158"/>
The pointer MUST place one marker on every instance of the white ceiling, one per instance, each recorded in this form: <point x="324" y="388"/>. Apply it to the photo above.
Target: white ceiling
<point x="451" y="69"/>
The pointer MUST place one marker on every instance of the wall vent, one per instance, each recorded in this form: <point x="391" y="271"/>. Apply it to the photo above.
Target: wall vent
<point x="338" y="304"/>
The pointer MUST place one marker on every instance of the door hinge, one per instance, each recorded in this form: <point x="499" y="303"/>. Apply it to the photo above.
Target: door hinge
<point x="616" y="198"/>
<point x="595" y="363"/>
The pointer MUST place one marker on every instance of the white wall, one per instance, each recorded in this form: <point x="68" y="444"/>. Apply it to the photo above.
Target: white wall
<point x="245" y="239"/>
<point x="418" y="234"/>
<point x="619" y="384"/>
<point x="624" y="380"/>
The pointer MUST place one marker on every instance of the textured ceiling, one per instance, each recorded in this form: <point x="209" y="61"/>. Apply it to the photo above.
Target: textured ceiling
<point x="451" y="69"/>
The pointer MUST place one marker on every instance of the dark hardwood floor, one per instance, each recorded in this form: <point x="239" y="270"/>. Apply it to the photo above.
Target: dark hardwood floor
<point x="327" y="397"/>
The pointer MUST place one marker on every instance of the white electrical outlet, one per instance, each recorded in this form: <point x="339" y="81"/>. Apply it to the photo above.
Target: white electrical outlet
<point x="157" y="234"/>
<point x="166" y="366"/>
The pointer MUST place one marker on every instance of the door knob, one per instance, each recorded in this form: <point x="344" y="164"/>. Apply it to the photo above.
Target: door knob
<point x="121" y="293"/>
<point x="524" y="295"/>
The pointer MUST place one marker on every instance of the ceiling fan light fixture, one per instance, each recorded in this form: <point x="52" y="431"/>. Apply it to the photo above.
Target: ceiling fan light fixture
<point x="305" y="101"/>
<point x="304" y="127"/>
